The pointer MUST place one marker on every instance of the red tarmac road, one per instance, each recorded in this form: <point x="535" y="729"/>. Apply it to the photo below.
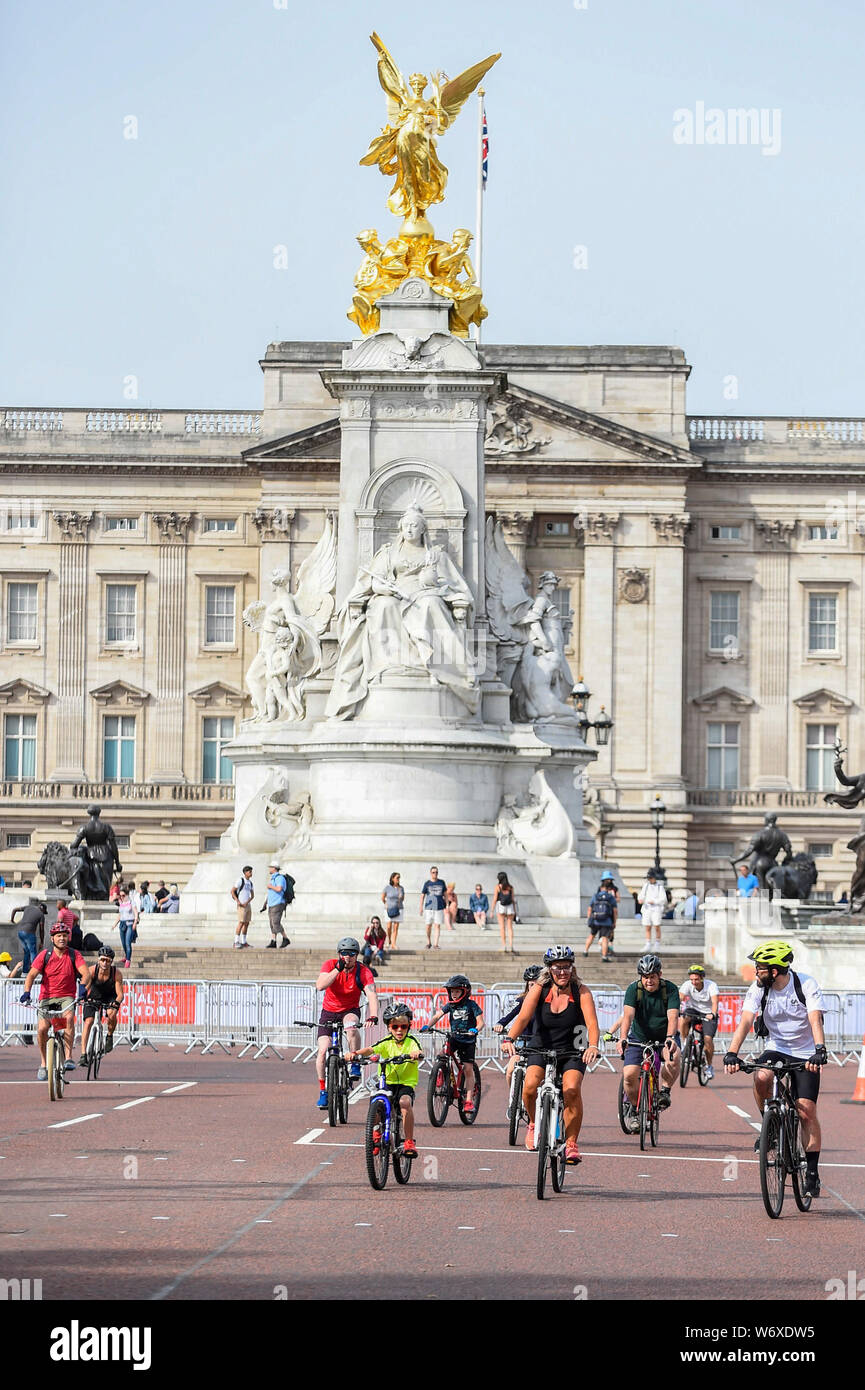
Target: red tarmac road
<point x="189" y="1177"/>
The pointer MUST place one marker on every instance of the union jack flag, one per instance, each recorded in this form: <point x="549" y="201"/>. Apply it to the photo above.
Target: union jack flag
<point x="485" y="151"/>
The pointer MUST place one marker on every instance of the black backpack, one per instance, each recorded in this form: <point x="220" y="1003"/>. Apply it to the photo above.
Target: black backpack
<point x="602" y="911"/>
<point x="662" y="990"/>
<point x="760" y="1028"/>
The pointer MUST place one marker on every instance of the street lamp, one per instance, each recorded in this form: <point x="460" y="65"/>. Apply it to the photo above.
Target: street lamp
<point x="581" y="695"/>
<point x="658" y="811"/>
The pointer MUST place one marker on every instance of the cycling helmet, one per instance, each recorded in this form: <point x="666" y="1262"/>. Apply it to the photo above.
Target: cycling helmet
<point x="531" y="973"/>
<point x="459" y="982"/>
<point x="696" y="969"/>
<point x="557" y="953"/>
<point x="348" y="943"/>
<point x="777" y="953"/>
<point x="649" y="964"/>
<point x="59" y="928"/>
<point x="106" y="951"/>
<point x="397" y="1011"/>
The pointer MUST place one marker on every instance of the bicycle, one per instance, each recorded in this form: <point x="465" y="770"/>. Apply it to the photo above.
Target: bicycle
<point x="96" y="1043"/>
<point x="781" y="1149"/>
<point x="446" y="1082"/>
<point x="336" y="1074"/>
<point x="383" y="1137"/>
<point x="550" y="1127"/>
<point x="693" y="1051"/>
<point x="647" y="1098"/>
<point x="516" y="1110"/>
<point x="55" y="1050"/>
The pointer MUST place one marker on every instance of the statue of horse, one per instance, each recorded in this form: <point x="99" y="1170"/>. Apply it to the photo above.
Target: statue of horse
<point x="794" y="878"/>
<point x="62" y="868"/>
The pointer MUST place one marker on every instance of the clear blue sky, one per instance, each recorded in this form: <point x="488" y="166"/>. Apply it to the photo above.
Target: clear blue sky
<point x="154" y="257"/>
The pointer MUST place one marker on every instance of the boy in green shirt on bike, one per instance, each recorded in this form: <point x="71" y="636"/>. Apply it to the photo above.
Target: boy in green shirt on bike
<point x="401" y="1077"/>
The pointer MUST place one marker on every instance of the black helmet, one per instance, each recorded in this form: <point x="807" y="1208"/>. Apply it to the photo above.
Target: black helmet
<point x="557" y="953"/>
<point x="649" y="964"/>
<point x="106" y="951"/>
<point x="459" y="982"/>
<point x="348" y="943"/>
<point x="397" y="1011"/>
<point x="531" y="972"/>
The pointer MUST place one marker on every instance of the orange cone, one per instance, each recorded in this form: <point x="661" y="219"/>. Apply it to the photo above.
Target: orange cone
<point x="858" y="1096"/>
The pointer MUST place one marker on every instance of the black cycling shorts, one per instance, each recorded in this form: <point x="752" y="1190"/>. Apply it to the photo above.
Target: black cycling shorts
<point x="568" y="1061"/>
<point x="805" y="1085"/>
<point x="397" y="1092"/>
<point x="92" y="1005"/>
<point x="463" y="1049"/>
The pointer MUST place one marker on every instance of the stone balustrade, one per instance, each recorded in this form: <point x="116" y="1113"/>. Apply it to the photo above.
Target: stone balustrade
<point x="770" y="800"/>
<point x="729" y="431"/>
<point x="244" y="423"/>
<point x="102" y="792"/>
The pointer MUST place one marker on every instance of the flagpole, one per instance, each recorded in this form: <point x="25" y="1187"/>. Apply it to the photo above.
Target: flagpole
<point x="479" y="221"/>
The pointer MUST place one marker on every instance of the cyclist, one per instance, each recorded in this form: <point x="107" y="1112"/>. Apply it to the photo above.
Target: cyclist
<point x="700" y="996"/>
<point x="650" y="1013"/>
<point x="565" y="1022"/>
<point x="60" y="969"/>
<point x="530" y="975"/>
<point x="401" y="1080"/>
<point x="790" y="1009"/>
<point x="343" y="981"/>
<point x="105" y="989"/>
<point x="466" y="1018"/>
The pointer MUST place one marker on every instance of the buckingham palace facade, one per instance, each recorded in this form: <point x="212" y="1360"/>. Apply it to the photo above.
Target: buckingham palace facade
<point x="710" y="577"/>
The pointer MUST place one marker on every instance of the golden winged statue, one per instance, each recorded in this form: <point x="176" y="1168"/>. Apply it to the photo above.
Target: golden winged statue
<point x="406" y="147"/>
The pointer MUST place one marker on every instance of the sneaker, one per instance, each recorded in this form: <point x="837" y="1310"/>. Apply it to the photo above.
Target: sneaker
<point x="585" y="953"/>
<point x="322" y="1100"/>
<point x="354" y="1071"/>
<point x="633" y="1123"/>
<point x="664" y="1098"/>
<point x="109" y="1044"/>
<point x="812" y="1185"/>
<point x="409" y="1149"/>
<point x="468" y="1107"/>
<point x="710" y="1073"/>
<point x="757" y="1145"/>
<point x="376" y="1140"/>
<point x="286" y="941"/>
<point x="70" y="1065"/>
<point x="126" y="964"/>
<point x="271" y="945"/>
<point x="42" y="1074"/>
<point x="82" y="1060"/>
<point x="605" y="960"/>
<point x="530" y="1137"/>
<point x="237" y="945"/>
<point x="572" y="1152"/>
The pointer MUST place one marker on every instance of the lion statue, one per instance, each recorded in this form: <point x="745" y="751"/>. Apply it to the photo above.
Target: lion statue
<point x="794" y="878"/>
<point x="62" y="868"/>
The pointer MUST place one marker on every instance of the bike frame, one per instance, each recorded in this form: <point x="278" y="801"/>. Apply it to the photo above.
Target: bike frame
<point x="650" y="1071"/>
<point x="552" y="1086"/>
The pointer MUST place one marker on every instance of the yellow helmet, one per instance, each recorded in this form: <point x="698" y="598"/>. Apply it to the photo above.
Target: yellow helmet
<point x="778" y="953"/>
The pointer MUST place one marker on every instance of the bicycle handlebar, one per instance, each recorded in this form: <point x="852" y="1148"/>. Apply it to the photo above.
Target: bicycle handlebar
<point x="780" y="1068"/>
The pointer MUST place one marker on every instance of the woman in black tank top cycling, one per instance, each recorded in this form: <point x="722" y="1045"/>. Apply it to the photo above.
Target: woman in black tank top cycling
<point x="505" y="908"/>
<point x="105" y="988"/>
<point x="566" y="1022"/>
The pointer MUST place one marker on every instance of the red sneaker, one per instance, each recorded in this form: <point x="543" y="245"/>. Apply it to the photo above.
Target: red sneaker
<point x="409" y="1148"/>
<point x="572" y="1152"/>
<point x="530" y="1137"/>
<point x="468" y="1107"/>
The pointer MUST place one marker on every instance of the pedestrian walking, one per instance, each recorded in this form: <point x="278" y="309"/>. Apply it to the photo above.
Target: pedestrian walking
<point x="127" y="921"/>
<point x="601" y="920"/>
<point x="243" y="893"/>
<point x="277" y="902"/>
<point x="652" y="898"/>
<point x="505" y="908"/>
<point x="393" y="898"/>
<point x="432" y="907"/>
<point x="32" y="920"/>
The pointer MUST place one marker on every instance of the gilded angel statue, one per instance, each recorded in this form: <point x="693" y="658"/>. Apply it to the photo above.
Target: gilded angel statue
<point x="406" y="147"/>
<point x="290" y="628"/>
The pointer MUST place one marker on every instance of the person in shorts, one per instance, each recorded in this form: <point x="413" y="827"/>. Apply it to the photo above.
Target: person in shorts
<point x="61" y="969"/>
<point x="105" y="989"/>
<point x="699" y="995"/>
<point x="401" y="1079"/>
<point x="393" y="898"/>
<point x="465" y="1019"/>
<point x="277" y="902"/>
<point x="243" y="893"/>
<point x="601" y="920"/>
<point x="432" y="906"/>
<point x="343" y="980"/>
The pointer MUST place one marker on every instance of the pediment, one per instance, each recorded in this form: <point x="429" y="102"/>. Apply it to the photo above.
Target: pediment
<point x="319" y="443"/>
<point x="823" y="699"/>
<point x="217" y="693"/>
<point x="557" y="432"/>
<point x="22" y="692"/>
<point x="724" y="694"/>
<point x="119" y="693"/>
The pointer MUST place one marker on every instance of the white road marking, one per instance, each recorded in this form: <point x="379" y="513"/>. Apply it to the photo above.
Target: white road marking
<point x="312" y="1134"/>
<point x="57" y="1213"/>
<point x="774" y="1237"/>
<point x="82" y="1155"/>
<point x="159" y="1158"/>
<point x="182" y="1087"/>
<point x="567" y="1233"/>
<point x="841" y="1199"/>
<point x="128" y="1104"/>
<point x="160" y="1218"/>
<point x="363" y="1223"/>
<point x="361" y="1094"/>
<point x="62" y="1124"/>
<point x="755" y="1124"/>
<point x="670" y="1235"/>
<point x="238" y="1160"/>
<point x="736" y="1111"/>
<point x="263" y="1221"/>
<point x="466" y="1228"/>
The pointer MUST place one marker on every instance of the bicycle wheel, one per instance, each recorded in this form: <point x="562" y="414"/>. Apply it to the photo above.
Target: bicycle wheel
<point x="654" y="1119"/>
<point x="797" y="1166"/>
<point x="702" y="1064"/>
<point x="469" y="1119"/>
<point x="643" y="1106"/>
<point x="438" y="1097"/>
<point x="557" y="1157"/>
<point x="377" y="1151"/>
<point x="401" y="1162"/>
<point x="621" y="1105"/>
<point x="98" y="1053"/>
<point x="515" y="1110"/>
<point x="332" y="1080"/>
<point x="342" y="1093"/>
<point x="92" y="1066"/>
<point x="772" y="1162"/>
<point x="543" y="1138"/>
<point x="687" y="1056"/>
<point x="51" y="1065"/>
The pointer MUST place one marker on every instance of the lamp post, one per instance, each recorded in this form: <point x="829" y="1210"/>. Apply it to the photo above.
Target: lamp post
<point x="581" y="695"/>
<point x="658" y="811"/>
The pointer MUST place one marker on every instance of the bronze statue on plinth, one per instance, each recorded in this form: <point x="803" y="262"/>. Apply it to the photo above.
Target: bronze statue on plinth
<point x="101" y="859"/>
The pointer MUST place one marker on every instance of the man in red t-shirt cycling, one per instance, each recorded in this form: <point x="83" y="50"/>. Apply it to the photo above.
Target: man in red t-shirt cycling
<point x="61" y="969"/>
<point x="343" y="981"/>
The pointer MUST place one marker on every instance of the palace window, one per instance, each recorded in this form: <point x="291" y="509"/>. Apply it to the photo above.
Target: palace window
<point x="820" y="757"/>
<point x="219" y="615"/>
<point x="120" y="612"/>
<point x="121" y="523"/>
<point x="19" y="750"/>
<point x="723" y="621"/>
<point x="722" y="755"/>
<point x="21" y="612"/>
<point x="821" y="850"/>
<point x="218" y="523"/>
<point x="211" y="844"/>
<point x="822" y="622"/>
<point x="725" y="533"/>
<point x="721" y="849"/>
<point x="822" y="533"/>
<point x="216" y="766"/>
<point x="118" y="748"/>
<point x="557" y="528"/>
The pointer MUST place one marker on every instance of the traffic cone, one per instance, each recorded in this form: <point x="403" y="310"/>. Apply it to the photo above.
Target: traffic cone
<point x="858" y="1096"/>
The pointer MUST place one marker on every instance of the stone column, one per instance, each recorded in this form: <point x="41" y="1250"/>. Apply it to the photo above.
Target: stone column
<point x="274" y="531"/>
<point x="515" y="526"/>
<point x="166" y="732"/>
<point x="71" y="646"/>
<point x="598" y="626"/>
<point x="666" y="696"/>
<point x="773" y="643"/>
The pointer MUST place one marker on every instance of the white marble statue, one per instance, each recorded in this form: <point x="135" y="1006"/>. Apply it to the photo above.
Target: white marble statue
<point x="406" y="613"/>
<point x="289" y="629"/>
<point x="542" y="827"/>
<point x="273" y="822"/>
<point x="532" y="645"/>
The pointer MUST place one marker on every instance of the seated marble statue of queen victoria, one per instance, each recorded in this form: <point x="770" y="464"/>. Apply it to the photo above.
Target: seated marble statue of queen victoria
<point x="407" y="612"/>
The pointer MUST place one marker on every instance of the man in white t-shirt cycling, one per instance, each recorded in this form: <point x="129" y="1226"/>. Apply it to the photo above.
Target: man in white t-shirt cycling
<point x="700" y="996"/>
<point x="791" y="1010"/>
<point x="243" y="894"/>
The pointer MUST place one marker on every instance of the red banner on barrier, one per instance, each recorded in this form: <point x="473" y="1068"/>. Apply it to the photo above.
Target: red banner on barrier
<point x="729" y="1012"/>
<point x="423" y="1002"/>
<point x="154" y="1004"/>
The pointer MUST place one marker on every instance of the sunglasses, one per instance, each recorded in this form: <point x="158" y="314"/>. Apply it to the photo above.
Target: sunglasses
<point x="348" y="953"/>
<point x="399" y="1025"/>
<point x="561" y="965"/>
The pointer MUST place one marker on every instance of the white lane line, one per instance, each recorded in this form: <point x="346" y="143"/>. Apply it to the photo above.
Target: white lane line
<point x="159" y="1158"/>
<point x="736" y="1111"/>
<point x="160" y="1218"/>
<point x="182" y="1087"/>
<point x="57" y="1213"/>
<point x="841" y="1199"/>
<point x="466" y="1228"/>
<point x="238" y="1160"/>
<point x="62" y="1124"/>
<point x="363" y="1223"/>
<point x="356" y="1096"/>
<point x="128" y="1104"/>
<point x="263" y="1221"/>
<point x="82" y="1155"/>
<point x="312" y="1134"/>
<point x="567" y="1233"/>
<point x="669" y="1235"/>
<point x="756" y="1124"/>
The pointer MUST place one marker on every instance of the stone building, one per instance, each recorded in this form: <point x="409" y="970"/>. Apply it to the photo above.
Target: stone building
<point x="711" y="571"/>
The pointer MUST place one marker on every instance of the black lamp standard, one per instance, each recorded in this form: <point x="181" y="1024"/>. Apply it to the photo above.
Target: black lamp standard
<point x="658" y="811"/>
<point x="581" y="695"/>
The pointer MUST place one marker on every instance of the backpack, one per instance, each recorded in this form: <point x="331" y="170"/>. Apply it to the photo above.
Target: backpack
<point x="602" y="911"/>
<point x="760" y="1027"/>
<point x="49" y="952"/>
<point x="662" y="990"/>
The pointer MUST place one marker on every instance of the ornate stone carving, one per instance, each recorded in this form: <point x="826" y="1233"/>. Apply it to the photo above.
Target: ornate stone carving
<point x="511" y="431"/>
<point x="599" y="526"/>
<point x="355" y="408"/>
<point x="515" y="527"/>
<point x="119" y="693"/>
<point x="273" y="523"/>
<point x="672" y="528"/>
<point x="172" y="526"/>
<point x="541" y="827"/>
<point x="776" y="532"/>
<point x="73" y="525"/>
<point x="633" y="585"/>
